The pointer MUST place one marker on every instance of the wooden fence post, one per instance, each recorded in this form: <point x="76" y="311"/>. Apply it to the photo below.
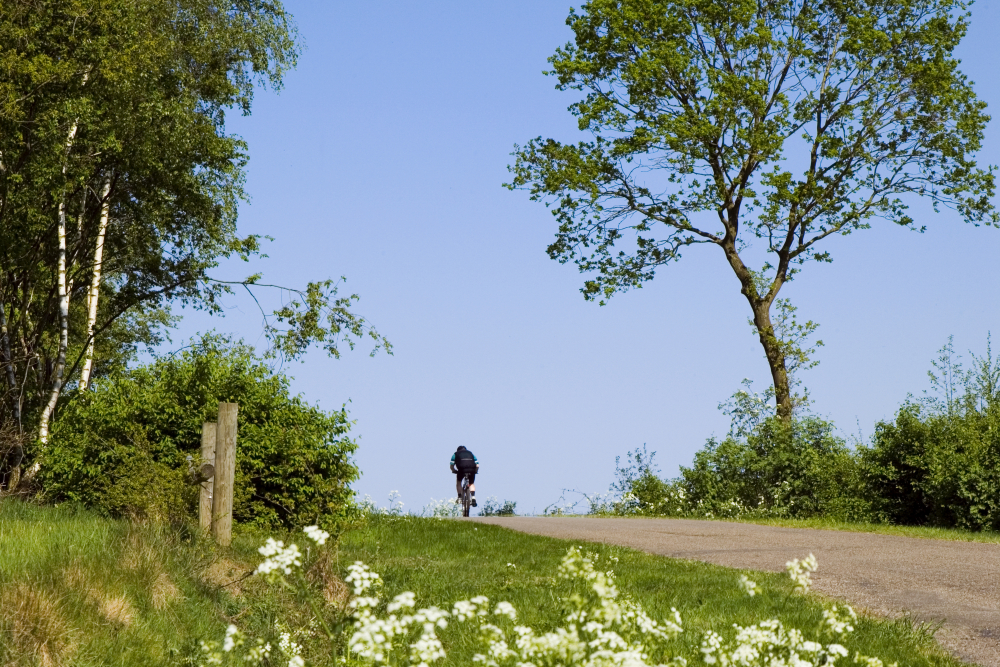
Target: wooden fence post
<point x="207" y="456"/>
<point x="225" y="471"/>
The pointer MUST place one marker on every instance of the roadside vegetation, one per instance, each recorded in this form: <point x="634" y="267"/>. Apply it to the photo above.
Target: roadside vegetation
<point x="121" y="446"/>
<point x="932" y="471"/>
<point x="82" y="589"/>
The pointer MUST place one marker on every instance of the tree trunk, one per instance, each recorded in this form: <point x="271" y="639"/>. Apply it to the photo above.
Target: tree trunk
<point x="761" y="308"/>
<point x="57" y="381"/>
<point x="9" y="366"/>
<point x="775" y="359"/>
<point x="95" y="284"/>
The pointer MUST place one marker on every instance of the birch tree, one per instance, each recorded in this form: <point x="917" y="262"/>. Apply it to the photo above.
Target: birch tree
<point x="150" y="175"/>
<point x="742" y="124"/>
<point x="93" y="296"/>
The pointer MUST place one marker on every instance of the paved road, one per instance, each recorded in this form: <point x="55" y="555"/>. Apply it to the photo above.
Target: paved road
<point x="957" y="583"/>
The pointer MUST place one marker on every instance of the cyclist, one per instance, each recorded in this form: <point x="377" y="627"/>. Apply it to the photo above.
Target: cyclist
<point x="465" y="464"/>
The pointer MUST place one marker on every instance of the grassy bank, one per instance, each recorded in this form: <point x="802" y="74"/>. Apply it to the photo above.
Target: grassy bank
<point x="81" y="590"/>
<point x="444" y="561"/>
<point x="78" y="589"/>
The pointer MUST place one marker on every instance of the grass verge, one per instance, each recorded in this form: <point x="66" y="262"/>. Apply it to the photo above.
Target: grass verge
<point x="443" y="561"/>
<point x="80" y="590"/>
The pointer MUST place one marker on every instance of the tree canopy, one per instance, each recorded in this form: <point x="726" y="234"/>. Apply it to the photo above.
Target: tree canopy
<point x="776" y="122"/>
<point x="119" y="186"/>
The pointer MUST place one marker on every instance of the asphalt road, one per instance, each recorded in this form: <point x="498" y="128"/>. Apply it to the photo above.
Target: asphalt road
<point x="954" y="583"/>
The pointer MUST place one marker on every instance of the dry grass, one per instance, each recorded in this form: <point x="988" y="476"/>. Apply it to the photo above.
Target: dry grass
<point x="226" y="573"/>
<point x="118" y="609"/>
<point x="139" y="554"/>
<point x="323" y="574"/>
<point x="164" y="592"/>
<point x="33" y="628"/>
<point x="75" y="577"/>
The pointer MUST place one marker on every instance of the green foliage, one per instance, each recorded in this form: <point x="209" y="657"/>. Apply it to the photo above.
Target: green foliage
<point x="774" y="470"/>
<point x="492" y="506"/>
<point x="938" y="462"/>
<point x="146" y="85"/>
<point x="694" y="110"/>
<point x="114" y="111"/>
<point x="802" y="470"/>
<point x="122" y="447"/>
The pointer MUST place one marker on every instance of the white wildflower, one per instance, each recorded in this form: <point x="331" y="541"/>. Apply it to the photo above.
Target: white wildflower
<point x="361" y="577"/>
<point x="839" y="622"/>
<point x="401" y="601"/>
<point x="749" y="587"/>
<point x="801" y="571"/>
<point x="278" y="557"/>
<point x="316" y="534"/>
<point x="506" y="609"/>
<point x="229" y="643"/>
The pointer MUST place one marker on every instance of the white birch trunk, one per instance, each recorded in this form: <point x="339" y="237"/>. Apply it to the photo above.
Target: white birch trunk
<point x="95" y="284"/>
<point x="57" y="382"/>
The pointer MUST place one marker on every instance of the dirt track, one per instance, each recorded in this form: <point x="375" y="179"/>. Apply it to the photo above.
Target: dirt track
<point x="957" y="583"/>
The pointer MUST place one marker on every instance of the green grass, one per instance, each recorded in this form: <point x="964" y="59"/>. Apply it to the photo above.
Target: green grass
<point x="926" y="532"/>
<point x="79" y="590"/>
<point x="445" y="561"/>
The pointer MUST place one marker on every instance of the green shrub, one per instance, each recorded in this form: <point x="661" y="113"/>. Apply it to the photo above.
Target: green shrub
<point x="937" y="469"/>
<point x="492" y="506"/>
<point x="800" y="471"/>
<point x="938" y="462"/>
<point x="121" y="447"/>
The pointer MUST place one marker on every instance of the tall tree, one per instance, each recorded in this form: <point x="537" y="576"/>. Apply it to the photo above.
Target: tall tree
<point x="724" y="122"/>
<point x="119" y="186"/>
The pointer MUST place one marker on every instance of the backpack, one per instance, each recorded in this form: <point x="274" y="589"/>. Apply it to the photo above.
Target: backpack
<point x="465" y="461"/>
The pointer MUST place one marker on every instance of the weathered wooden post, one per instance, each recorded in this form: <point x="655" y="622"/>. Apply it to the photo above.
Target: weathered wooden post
<point x="225" y="471"/>
<point x="207" y="456"/>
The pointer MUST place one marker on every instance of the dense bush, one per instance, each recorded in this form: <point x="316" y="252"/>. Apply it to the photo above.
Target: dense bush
<point x="798" y="471"/>
<point x="121" y="447"/>
<point x="802" y="470"/>
<point x="938" y="462"/>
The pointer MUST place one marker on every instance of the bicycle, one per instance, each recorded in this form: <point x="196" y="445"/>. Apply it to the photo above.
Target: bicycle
<point x="466" y="495"/>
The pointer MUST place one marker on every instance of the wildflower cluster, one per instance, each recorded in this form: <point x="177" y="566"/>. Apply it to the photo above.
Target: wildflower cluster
<point x="278" y="558"/>
<point x="749" y="587"/>
<point x="801" y="571"/>
<point x="279" y="561"/>
<point x="768" y="643"/>
<point x="442" y="509"/>
<point x="234" y="640"/>
<point x="599" y="627"/>
<point x="771" y="644"/>
<point x="367" y="506"/>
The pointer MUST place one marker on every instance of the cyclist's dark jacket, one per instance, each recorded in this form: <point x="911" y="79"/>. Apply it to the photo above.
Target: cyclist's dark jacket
<point x="465" y="461"/>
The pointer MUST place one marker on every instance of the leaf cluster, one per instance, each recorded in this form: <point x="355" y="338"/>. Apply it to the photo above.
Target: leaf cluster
<point x="722" y="122"/>
<point x="121" y="448"/>
<point x="120" y="105"/>
<point x="938" y="462"/>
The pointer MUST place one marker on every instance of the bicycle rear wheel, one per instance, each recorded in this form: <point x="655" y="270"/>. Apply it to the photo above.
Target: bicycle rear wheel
<point x="466" y="497"/>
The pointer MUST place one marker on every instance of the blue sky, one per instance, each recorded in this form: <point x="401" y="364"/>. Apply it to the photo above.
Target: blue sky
<point x="383" y="159"/>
